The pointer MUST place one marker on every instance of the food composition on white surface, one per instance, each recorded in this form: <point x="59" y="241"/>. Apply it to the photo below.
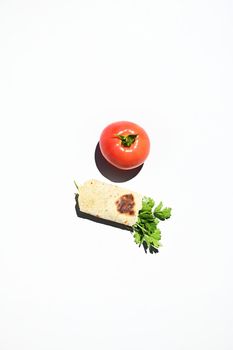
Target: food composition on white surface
<point x="117" y="204"/>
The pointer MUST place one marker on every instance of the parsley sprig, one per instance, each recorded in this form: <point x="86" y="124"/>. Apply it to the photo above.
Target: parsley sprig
<point x="146" y="231"/>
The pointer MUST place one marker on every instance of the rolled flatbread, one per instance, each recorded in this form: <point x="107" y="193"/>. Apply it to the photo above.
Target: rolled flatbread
<point x="109" y="202"/>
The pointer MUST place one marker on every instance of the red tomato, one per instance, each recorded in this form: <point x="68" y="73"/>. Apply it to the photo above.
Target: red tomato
<point x="124" y="144"/>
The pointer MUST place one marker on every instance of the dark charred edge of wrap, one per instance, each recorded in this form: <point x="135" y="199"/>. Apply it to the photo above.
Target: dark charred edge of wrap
<point x="99" y="220"/>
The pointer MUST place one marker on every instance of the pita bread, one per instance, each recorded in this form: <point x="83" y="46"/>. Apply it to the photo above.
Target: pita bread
<point x="109" y="202"/>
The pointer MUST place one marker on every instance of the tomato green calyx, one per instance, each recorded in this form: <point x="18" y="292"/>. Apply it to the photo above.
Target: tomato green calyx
<point x="127" y="140"/>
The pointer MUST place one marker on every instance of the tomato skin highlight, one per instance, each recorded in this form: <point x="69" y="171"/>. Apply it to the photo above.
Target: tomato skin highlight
<point x="120" y="156"/>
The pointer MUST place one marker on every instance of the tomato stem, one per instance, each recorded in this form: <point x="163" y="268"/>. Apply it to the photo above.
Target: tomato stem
<point x="127" y="140"/>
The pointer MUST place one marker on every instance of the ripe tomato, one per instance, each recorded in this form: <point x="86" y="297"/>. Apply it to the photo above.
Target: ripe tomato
<point x="124" y="144"/>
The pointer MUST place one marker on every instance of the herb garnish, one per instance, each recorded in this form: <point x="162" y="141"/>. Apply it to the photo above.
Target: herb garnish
<point x="146" y="231"/>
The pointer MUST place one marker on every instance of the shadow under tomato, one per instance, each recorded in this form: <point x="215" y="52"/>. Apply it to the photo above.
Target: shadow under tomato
<point x="111" y="172"/>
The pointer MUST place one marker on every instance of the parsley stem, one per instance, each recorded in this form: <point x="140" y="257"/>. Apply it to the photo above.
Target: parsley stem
<point x="142" y="228"/>
<point x="76" y="185"/>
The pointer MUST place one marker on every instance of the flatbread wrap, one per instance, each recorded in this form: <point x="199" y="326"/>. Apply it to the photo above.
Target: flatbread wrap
<point x="123" y="206"/>
<point x="109" y="202"/>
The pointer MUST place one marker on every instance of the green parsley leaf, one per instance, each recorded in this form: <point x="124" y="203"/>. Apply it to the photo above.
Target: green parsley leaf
<point x="147" y="204"/>
<point x="146" y="231"/>
<point x="137" y="238"/>
<point x="159" y="207"/>
<point x="162" y="214"/>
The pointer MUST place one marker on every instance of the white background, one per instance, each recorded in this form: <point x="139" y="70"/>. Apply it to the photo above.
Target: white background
<point x="67" y="69"/>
